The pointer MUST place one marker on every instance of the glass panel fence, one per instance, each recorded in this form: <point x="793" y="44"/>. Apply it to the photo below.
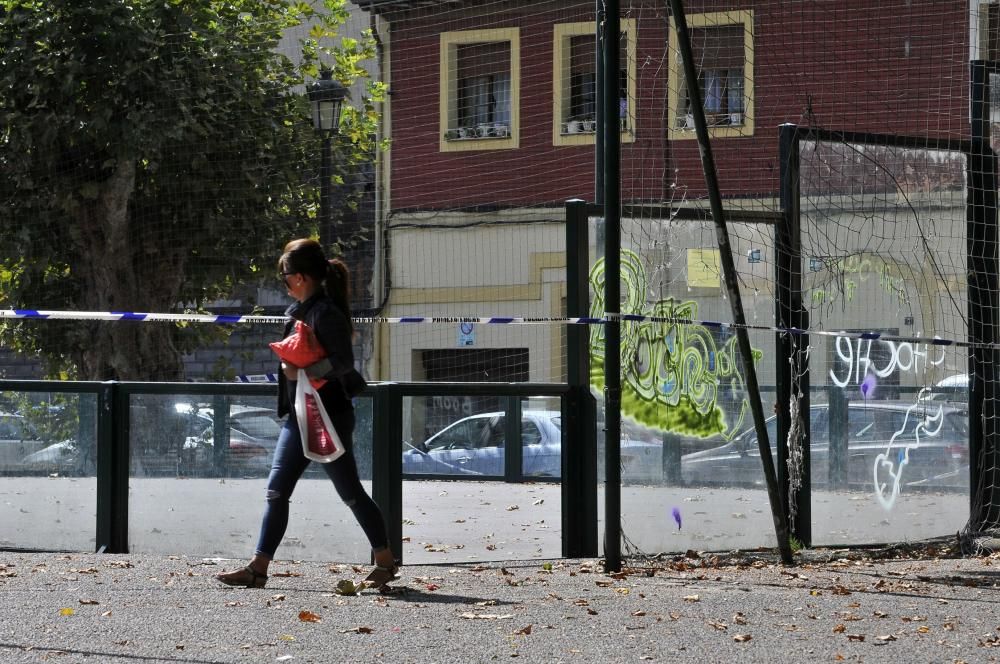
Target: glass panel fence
<point x="48" y="460"/>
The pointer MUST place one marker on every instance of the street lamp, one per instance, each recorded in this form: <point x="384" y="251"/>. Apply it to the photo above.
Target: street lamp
<point x="327" y="98"/>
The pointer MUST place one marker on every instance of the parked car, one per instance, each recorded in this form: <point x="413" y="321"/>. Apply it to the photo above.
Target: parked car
<point x="253" y="436"/>
<point x="474" y="445"/>
<point x="928" y="440"/>
<point x="18" y="439"/>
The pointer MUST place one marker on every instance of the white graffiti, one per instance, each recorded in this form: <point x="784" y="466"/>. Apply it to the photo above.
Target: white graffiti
<point x="858" y="363"/>
<point x="902" y="454"/>
<point x="459" y="405"/>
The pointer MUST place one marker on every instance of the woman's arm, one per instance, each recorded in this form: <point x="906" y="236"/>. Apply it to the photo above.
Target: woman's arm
<point x="333" y="331"/>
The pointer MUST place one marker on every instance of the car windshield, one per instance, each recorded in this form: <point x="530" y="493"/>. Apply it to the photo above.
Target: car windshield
<point x="464" y="434"/>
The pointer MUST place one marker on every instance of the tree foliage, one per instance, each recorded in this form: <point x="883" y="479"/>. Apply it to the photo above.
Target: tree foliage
<point x="155" y="154"/>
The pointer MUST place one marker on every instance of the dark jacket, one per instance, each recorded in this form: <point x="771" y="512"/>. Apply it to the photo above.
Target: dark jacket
<point x="333" y="331"/>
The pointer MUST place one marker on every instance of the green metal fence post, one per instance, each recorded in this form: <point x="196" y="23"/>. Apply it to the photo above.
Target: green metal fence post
<point x="112" y="468"/>
<point x="387" y="459"/>
<point x="513" y="452"/>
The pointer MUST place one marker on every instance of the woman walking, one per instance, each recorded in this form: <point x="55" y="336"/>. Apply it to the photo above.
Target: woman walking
<point x="321" y="290"/>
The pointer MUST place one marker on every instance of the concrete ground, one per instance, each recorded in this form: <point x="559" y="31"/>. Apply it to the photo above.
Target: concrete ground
<point x="833" y="605"/>
<point x="446" y="522"/>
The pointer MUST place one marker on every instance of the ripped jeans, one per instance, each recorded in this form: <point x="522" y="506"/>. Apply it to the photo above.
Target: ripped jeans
<point x="288" y="466"/>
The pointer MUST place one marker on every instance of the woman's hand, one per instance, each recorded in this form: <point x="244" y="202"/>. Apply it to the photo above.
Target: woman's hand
<point x="291" y="371"/>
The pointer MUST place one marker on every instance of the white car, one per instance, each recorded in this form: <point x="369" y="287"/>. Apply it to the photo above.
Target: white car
<point x="474" y="445"/>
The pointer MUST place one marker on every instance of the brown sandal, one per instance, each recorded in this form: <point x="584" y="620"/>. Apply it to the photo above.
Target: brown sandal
<point x="381" y="576"/>
<point x="247" y="577"/>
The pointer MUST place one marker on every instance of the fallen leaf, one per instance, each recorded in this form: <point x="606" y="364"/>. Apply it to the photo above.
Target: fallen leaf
<point x="511" y="508"/>
<point x="66" y="612"/>
<point x="286" y="573"/>
<point x="432" y="586"/>
<point x="106" y="614"/>
<point x="357" y="630"/>
<point x="591" y="612"/>
<point x="923" y="629"/>
<point x="742" y="638"/>
<point x="486" y="616"/>
<point x="524" y="630"/>
<point x="347" y="587"/>
<point x="721" y="626"/>
<point x="692" y="598"/>
<point x="309" y="616"/>
<point x="277" y="598"/>
<point x="739" y="618"/>
<point x="855" y="637"/>
<point x="120" y="564"/>
<point x="839" y="629"/>
<point x="89" y="601"/>
<point x="884" y="637"/>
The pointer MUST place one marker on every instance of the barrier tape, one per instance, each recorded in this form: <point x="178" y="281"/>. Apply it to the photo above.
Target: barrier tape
<point x="39" y="314"/>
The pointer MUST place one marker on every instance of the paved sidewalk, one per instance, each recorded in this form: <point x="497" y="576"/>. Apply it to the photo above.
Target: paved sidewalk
<point x="839" y="607"/>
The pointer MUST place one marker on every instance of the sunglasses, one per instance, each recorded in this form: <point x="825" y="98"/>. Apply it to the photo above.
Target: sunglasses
<point x="284" y="276"/>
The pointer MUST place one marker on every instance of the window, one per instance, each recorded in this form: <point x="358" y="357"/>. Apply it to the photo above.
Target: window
<point x="480" y="82"/>
<point x="722" y="45"/>
<point x="989" y="30"/>
<point x="530" y="435"/>
<point x="574" y="120"/>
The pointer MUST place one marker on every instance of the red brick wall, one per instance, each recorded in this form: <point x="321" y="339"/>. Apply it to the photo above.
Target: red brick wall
<point x="845" y="60"/>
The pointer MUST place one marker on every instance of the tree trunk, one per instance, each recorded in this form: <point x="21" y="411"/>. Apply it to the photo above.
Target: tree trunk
<point x="116" y="278"/>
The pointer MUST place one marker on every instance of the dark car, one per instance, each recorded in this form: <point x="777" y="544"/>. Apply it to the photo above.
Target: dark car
<point x="890" y="445"/>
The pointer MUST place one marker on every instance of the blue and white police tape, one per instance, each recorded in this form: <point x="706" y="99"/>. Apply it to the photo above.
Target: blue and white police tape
<point x="233" y="319"/>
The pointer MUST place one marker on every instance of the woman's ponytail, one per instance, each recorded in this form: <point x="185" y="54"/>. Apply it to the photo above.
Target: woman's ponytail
<point x="338" y="285"/>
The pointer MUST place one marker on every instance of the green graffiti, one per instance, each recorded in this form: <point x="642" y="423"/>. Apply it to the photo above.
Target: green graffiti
<point x="676" y="375"/>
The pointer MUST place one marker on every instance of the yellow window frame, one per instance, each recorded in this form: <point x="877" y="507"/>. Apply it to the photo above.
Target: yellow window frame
<point x="562" y="40"/>
<point x="448" y="74"/>
<point x="676" y="74"/>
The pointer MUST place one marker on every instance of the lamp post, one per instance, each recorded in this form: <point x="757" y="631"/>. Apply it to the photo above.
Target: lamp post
<point x="326" y="97"/>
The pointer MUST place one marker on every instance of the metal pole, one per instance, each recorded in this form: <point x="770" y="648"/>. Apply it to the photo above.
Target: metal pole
<point x="729" y="276"/>
<point x="599" y="106"/>
<point x="791" y="363"/>
<point x="982" y="241"/>
<point x="612" y="292"/>
<point x="579" y="443"/>
<point x="326" y="236"/>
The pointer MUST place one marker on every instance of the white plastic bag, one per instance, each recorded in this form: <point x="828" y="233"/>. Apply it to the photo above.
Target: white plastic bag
<point x="320" y="441"/>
